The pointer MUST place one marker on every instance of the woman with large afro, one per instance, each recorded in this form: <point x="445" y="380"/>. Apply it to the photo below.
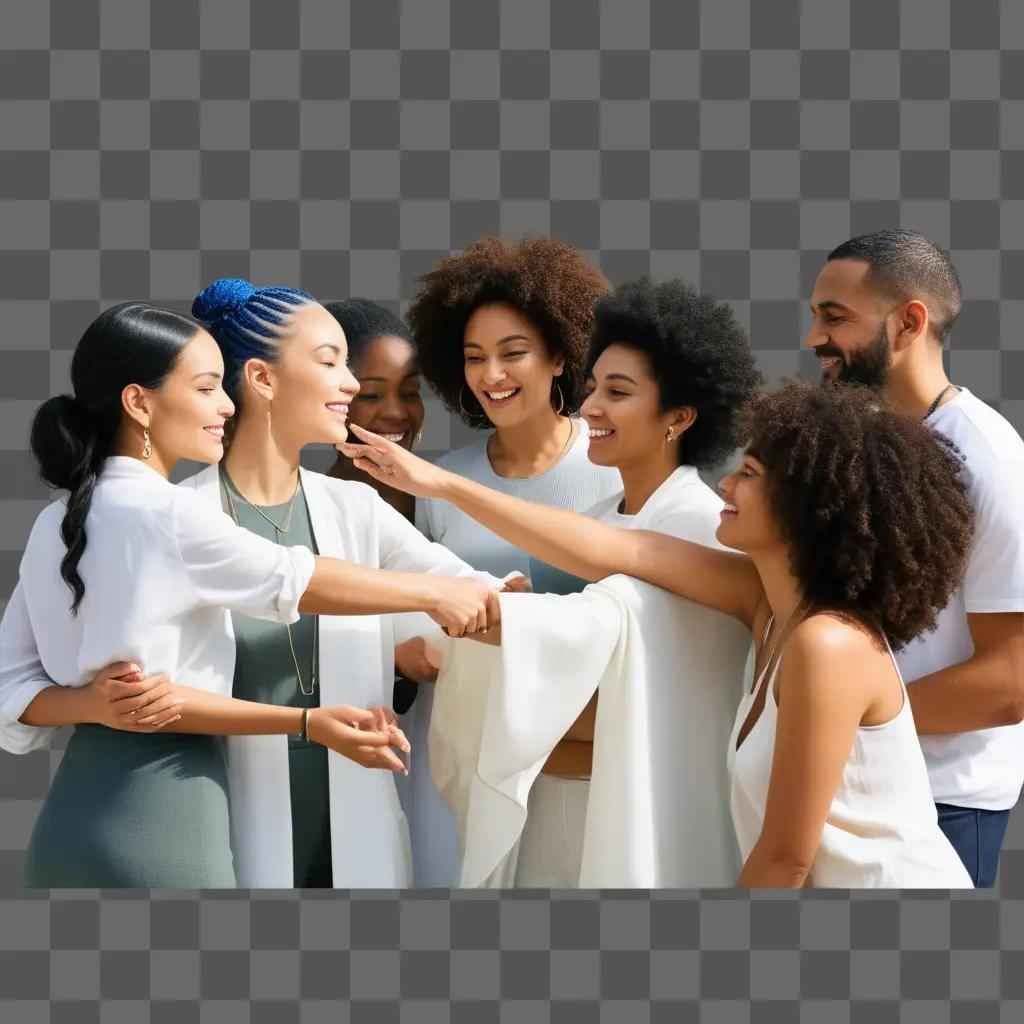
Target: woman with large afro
<point x="501" y="332"/>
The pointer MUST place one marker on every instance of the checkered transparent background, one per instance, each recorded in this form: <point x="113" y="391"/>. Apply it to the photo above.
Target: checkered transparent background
<point x="344" y="146"/>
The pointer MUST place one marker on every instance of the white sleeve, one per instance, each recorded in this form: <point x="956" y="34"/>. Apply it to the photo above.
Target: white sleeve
<point x="402" y="548"/>
<point x="232" y="568"/>
<point x="22" y="678"/>
<point x="994" y="580"/>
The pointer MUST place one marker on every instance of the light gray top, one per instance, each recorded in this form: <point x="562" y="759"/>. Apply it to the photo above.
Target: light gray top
<point x="574" y="482"/>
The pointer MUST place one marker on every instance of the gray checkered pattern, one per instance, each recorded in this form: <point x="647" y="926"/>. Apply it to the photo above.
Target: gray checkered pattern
<point x="345" y="146"/>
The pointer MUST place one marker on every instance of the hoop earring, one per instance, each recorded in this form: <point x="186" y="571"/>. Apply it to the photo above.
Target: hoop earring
<point x="561" y="398"/>
<point x="465" y="411"/>
<point x="416" y="440"/>
<point x="670" y="435"/>
<point x="147" y="445"/>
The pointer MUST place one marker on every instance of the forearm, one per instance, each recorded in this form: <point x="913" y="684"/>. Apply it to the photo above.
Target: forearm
<point x="980" y="693"/>
<point x="57" y="706"/>
<point x="570" y="541"/>
<point x="344" y="588"/>
<point x="765" y="871"/>
<point x="586" y="547"/>
<point x="212" y="714"/>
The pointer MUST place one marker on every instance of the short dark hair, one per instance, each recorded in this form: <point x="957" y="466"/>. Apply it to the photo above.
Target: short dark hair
<point x="549" y="282"/>
<point x="696" y="351"/>
<point x="364" y="321"/>
<point x="906" y="265"/>
<point x="870" y="500"/>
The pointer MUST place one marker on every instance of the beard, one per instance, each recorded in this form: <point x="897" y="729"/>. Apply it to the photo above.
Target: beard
<point x="868" y="366"/>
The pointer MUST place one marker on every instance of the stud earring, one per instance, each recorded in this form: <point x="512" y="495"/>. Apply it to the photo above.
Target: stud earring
<point x="147" y="445"/>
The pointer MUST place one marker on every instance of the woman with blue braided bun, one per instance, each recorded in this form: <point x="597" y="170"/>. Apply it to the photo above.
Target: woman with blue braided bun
<point x="135" y="574"/>
<point x="286" y="370"/>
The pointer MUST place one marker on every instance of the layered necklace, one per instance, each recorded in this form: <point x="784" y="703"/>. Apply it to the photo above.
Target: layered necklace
<point x="279" y="531"/>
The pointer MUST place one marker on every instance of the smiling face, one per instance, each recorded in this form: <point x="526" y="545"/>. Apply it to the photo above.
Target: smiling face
<point x="186" y="414"/>
<point x="623" y="410"/>
<point x="746" y="522"/>
<point x="507" y="365"/>
<point x="850" y="328"/>
<point x="310" y="386"/>
<point x="389" y="401"/>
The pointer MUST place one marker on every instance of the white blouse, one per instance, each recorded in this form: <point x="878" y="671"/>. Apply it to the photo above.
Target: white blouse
<point x="161" y="575"/>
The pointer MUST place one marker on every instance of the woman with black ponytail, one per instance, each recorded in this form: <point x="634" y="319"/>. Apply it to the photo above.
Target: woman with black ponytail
<point x="129" y="575"/>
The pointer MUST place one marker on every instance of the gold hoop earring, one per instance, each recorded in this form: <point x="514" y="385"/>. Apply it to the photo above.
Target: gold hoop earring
<point x="147" y="445"/>
<point x="561" y="399"/>
<point x="465" y="411"/>
<point x="416" y="440"/>
<point x="670" y="435"/>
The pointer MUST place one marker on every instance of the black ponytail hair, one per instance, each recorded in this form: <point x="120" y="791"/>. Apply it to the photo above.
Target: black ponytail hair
<point x="132" y="343"/>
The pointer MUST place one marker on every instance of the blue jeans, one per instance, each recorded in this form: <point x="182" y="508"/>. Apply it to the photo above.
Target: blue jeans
<point x="977" y="837"/>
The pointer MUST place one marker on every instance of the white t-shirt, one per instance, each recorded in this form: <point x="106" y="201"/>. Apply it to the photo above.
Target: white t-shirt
<point x="984" y="768"/>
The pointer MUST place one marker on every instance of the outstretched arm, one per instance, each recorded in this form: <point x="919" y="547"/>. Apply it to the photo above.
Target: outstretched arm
<point x="571" y="541"/>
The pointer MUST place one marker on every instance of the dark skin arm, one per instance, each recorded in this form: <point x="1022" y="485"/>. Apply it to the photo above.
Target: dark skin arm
<point x="985" y="691"/>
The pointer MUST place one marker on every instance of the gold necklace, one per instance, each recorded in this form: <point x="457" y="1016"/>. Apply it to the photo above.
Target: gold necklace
<point x="291" y="504"/>
<point x="226" y="487"/>
<point x="777" y="638"/>
<point x="558" y="458"/>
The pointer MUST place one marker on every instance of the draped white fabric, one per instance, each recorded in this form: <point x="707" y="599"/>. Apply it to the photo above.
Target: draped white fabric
<point x="669" y="677"/>
<point x="669" y="674"/>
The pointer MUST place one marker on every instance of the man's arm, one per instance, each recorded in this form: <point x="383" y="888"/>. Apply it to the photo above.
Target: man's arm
<point x="985" y="691"/>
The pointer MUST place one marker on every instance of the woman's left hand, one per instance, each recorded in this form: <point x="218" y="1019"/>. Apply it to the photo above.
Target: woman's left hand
<point x="385" y="720"/>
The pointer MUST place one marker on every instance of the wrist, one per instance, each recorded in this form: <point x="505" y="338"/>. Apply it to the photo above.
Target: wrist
<point x="312" y="725"/>
<point x="432" y="592"/>
<point x="447" y="485"/>
<point x="84" y="705"/>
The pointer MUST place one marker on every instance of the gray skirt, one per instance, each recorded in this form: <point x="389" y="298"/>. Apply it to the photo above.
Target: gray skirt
<point x="131" y="810"/>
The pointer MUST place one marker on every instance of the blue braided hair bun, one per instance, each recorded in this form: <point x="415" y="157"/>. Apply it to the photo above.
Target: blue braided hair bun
<point x="225" y="295"/>
<point x="246" y="322"/>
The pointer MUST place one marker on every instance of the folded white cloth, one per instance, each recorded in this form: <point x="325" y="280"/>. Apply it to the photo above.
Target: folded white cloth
<point x="669" y="675"/>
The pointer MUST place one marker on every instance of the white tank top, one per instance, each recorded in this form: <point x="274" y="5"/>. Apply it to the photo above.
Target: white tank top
<point x="882" y="828"/>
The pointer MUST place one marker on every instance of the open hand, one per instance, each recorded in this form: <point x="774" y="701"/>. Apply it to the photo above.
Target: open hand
<point x="361" y="735"/>
<point x="391" y="464"/>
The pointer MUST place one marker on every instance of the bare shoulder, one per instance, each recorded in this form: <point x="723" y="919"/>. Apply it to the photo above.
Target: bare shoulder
<point x="827" y="650"/>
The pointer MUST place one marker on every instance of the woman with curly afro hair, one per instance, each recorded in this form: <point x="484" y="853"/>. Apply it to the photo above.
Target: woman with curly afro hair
<point x="501" y="331"/>
<point x="851" y="527"/>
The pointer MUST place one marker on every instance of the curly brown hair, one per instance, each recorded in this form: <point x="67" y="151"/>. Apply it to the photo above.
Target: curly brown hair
<point x="547" y="281"/>
<point x="870" y="501"/>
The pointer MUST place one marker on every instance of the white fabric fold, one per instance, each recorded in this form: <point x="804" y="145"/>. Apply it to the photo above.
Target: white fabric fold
<point x="669" y="677"/>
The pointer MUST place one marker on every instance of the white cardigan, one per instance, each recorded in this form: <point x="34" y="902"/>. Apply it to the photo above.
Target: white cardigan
<point x="369" y="833"/>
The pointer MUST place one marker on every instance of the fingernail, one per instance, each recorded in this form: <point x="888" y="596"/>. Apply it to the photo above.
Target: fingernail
<point x="179" y="700"/>
<point x="135" y="668"/>
<point x="174" y="719"/>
